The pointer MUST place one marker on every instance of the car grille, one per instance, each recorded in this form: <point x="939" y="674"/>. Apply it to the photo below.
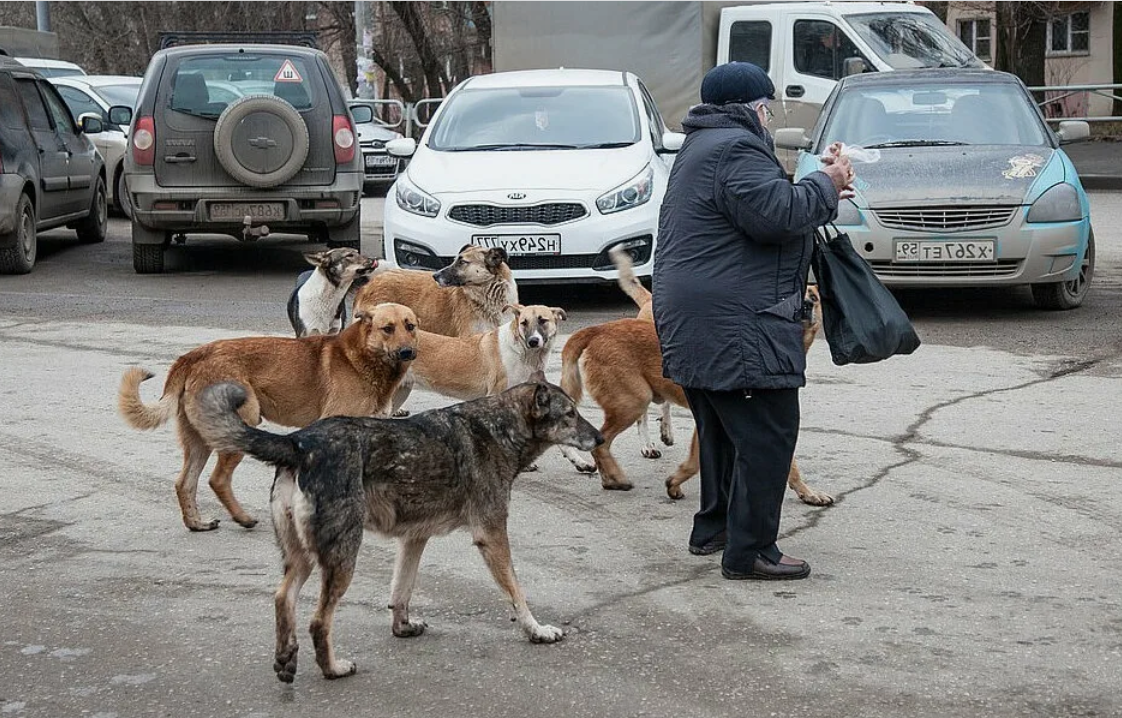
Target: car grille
<point x="485" y="215"/>
<point x="954" y="218"/>
<point x="376" y="144"/>
<point x="1003" y="268"/>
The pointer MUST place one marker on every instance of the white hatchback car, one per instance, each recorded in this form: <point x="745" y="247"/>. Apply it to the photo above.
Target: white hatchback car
<point x="554" y="166"/>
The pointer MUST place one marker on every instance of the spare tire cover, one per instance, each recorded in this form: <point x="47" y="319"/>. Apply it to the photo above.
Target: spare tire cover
<point x="261" y="140"/>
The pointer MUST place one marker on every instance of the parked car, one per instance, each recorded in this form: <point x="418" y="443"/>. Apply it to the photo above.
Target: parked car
<point x="50" y="172"/>
<point x="379" y="167"/>
<point x="554" y="166"/>
<point x="971" y="187"/>
<point x="282" y="157"/>
<point x="95" y="94"/>
<point x="51" y="68"/>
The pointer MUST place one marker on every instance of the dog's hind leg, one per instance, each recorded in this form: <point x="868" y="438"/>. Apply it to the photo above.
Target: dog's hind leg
<point x="611" y="473"/>
<point x="336" y="560"/>
<point x="494" y="544"/>
<point x="685" y="470"/>
<point x="649" y="450"/>
<point x="195" y="455"/>
<point x="806" y="494"/>
<point x="298" y="564"/>
<point x="401" y="589"/>
<point x="665" y="428"/>
<point x="221" y="480"/>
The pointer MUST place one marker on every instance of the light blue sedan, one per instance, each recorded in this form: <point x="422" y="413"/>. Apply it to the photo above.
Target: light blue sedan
<point x="970" y="187"/>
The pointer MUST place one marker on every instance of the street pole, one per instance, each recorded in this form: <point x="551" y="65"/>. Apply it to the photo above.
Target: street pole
<point x="42" y="16"/>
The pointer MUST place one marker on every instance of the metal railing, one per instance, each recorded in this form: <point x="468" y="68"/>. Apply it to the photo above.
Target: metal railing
<point x="1066" y="91"/>
<point x="415" y="113"/>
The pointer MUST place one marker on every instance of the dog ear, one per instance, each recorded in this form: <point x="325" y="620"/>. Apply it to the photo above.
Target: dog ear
<point x="466" y="246"/>
<point x="559" y="314"/>
<point x="315" y="258"/>
<point x="495" y="257"/>
<point x="541" y="401"/>
<point x="513" y="308"/>
<point x="361" y="315"/>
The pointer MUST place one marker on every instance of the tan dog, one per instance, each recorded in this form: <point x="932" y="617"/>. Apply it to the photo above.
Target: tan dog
<point x="489" y="363"/>
<point x="467" y="297"/>
<point x="620" y="363"/>
<point x="291" y="382"/>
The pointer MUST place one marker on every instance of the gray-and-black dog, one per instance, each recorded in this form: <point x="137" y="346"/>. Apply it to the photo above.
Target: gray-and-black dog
<point x="318" y="304"/>
<point x="411" y="479"/>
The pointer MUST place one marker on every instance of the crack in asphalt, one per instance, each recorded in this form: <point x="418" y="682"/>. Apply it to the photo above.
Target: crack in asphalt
<point x="57" y="344"/>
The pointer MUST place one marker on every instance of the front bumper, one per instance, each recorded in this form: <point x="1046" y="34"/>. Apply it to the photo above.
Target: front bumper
<point x="304" y="208"/>
<point x="1026" y="253"/>
<point x="11" y="187"/>
<point x="380" y="173"/>
<point x="584" y="241"/>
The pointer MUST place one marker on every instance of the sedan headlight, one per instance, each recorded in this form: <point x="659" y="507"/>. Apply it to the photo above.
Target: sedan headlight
<point x="412" y="199"/>
<point x="1059" y="203"/>
<point x="634" y="192"/>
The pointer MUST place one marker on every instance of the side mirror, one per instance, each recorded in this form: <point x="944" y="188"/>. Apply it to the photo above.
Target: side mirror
<point x="791" y="138"/>
<point x="1073" y="131"/>
<point x="120" y="115"/>
<point x="672" y="141"/>
<point x="853" y="66"/>
<point x="362" y="114"/>
<point x="404" y="147"/>
<point x="90" y="123"/>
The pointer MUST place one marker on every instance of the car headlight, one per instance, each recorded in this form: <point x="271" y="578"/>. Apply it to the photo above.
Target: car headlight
<point x="411" y="199"/>
<point x="1059" y="203"/>
<point x="848" y="214"/>
<point x="634" y="192"/>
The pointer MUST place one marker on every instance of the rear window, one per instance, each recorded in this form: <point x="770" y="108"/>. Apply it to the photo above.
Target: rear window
<point x="33" y="103"/>
<point x="205" y="86"/>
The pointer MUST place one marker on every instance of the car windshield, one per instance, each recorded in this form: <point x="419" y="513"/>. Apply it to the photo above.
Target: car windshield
<point x="204" y="86"/>
<point x="537" y="118"/>
<point x="912" y="40"/>
<point x="119" y="94"/>
<point x="983" y="113"/>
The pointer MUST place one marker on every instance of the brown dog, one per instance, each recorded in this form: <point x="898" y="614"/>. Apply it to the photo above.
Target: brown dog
<point x="467" y="297"/>
<point x="620" y="363"/>
<point x="291" y="382"/>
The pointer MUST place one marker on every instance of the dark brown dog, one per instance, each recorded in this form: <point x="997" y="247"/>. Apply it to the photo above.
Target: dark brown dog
<point x="410" y="478"/>
<point x="291" y="382"/>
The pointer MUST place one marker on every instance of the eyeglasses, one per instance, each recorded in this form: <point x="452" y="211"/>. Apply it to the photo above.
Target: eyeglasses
<point x="768" y="115"/>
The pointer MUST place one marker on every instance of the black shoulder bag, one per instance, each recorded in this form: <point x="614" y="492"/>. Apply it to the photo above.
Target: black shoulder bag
<point x="861" y="319"/>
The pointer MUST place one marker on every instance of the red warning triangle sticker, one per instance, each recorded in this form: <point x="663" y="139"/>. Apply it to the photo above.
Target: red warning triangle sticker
<point x="288" y="73"/>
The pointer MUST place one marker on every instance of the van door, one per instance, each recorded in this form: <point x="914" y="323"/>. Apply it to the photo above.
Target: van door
<point x="54" y="156"/>
<point x="815" y="50"/>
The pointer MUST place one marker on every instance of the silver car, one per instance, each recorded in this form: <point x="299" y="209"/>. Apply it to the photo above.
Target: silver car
<point x="380" y="168"/>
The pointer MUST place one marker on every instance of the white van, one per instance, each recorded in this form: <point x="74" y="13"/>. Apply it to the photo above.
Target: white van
<point x="807" y="47"/>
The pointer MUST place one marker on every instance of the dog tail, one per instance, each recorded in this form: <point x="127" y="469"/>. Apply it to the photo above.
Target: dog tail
<point x="628" y="282"/>
<point x="215" y="415"/>
<point x="147" y="416"/>
<point x="571" y="382"/>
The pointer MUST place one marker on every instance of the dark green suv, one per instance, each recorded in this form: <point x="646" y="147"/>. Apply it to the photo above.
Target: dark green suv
<point x="50" y="173"/>
<point x="242" y="140"/>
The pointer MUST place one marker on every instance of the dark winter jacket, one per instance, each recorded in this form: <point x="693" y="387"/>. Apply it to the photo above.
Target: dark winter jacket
<point x="734" y="244"/>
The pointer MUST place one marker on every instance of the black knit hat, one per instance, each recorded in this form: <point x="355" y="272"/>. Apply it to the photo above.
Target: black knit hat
<point x="736" y="82"/>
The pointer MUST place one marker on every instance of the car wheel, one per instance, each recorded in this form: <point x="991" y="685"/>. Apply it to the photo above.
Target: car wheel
<point x="256" y="120"/>
<point x="348" y="236"/>
<point x="18" y="257"/>
<point x="121" y="195"/>
<point x="1070" y="294"/>
<point x="91" y="230"/>
<point x="148" y="249"/>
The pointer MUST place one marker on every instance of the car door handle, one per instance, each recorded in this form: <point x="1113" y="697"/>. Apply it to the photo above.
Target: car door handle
<point x="795" y="90"/>
<point x="179" y="159"/>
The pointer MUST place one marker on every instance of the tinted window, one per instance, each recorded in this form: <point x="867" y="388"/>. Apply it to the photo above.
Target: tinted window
<point x="751" y="42"/>
<point x="10" y="116"/>
<point x="36" y="112"/>
<point x="204" y="86"/>
<point x="79" y="102"/>
<point x="62" y="120"/>
<point x="821" y="49"/>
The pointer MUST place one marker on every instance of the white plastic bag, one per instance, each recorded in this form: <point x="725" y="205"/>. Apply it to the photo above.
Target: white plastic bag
<point x="857" y="153"/>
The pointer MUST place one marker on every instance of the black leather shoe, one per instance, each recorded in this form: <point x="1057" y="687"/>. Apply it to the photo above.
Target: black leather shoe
<point x="712" y="546"/>
<point x="788" y="569"/>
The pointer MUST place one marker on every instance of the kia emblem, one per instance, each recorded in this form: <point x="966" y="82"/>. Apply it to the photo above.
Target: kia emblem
<point x="516" y="195"/>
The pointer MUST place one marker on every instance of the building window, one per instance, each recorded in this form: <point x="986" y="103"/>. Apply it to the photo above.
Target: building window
<point x="1070" y="34"/>
<point x="975" y="34"/>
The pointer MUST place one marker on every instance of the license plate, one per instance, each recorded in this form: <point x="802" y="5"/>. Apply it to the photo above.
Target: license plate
<point x="520" y="243"/>
<point x="926" y="250"/>
<point x="238" y="210"/>
<point x="379" y="160"/>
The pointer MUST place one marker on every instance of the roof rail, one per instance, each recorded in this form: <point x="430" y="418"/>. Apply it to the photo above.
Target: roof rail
<point x="193" y="37"/>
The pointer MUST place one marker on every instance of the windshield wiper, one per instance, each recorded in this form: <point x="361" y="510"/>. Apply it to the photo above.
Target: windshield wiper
<point x="606" y="145"/>
<point x="507" y="146"/>
<point x="915" y="143"/>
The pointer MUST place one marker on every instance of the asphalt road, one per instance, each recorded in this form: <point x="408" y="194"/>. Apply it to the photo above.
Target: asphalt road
<point x="970" y="566"/>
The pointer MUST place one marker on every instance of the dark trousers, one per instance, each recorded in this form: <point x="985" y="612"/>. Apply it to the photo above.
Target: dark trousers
<point x="747" y="442"/>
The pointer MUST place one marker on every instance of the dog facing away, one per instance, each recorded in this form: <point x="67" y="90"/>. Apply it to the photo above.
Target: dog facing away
<point x="291" y="382"/>
<point x="410" y="479"/>
<point x="318" y="304"/>
<point x="620" y="364"/>
<point x="469" y="296"/>
<point x="485" y="364"/>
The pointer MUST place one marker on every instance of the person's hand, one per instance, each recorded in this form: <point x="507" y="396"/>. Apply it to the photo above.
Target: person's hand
<point x="840" y="171"/>
<point x="832" y="152"/>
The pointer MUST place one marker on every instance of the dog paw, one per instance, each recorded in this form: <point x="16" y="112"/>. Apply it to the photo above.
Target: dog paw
<point x="201" y="526"/>
<point x="815" y="498"/>
<point x="546" y="634"/>
<point x="246" y="522"/>
<point x="285" y="664"/>
<point x="617" y="485"/>
<point x="400" y="414"/>
<point x="340" y="669"/>
<point x="666" y="437"/>
<point x="674" y="491"/>
<point x="409" y="629"/>
<point x="530" y="468"/>
<point x="650" y="451"/>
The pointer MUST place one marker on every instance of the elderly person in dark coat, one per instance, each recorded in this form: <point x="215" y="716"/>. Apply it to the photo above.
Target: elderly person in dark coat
<point x="734" y="245"/>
